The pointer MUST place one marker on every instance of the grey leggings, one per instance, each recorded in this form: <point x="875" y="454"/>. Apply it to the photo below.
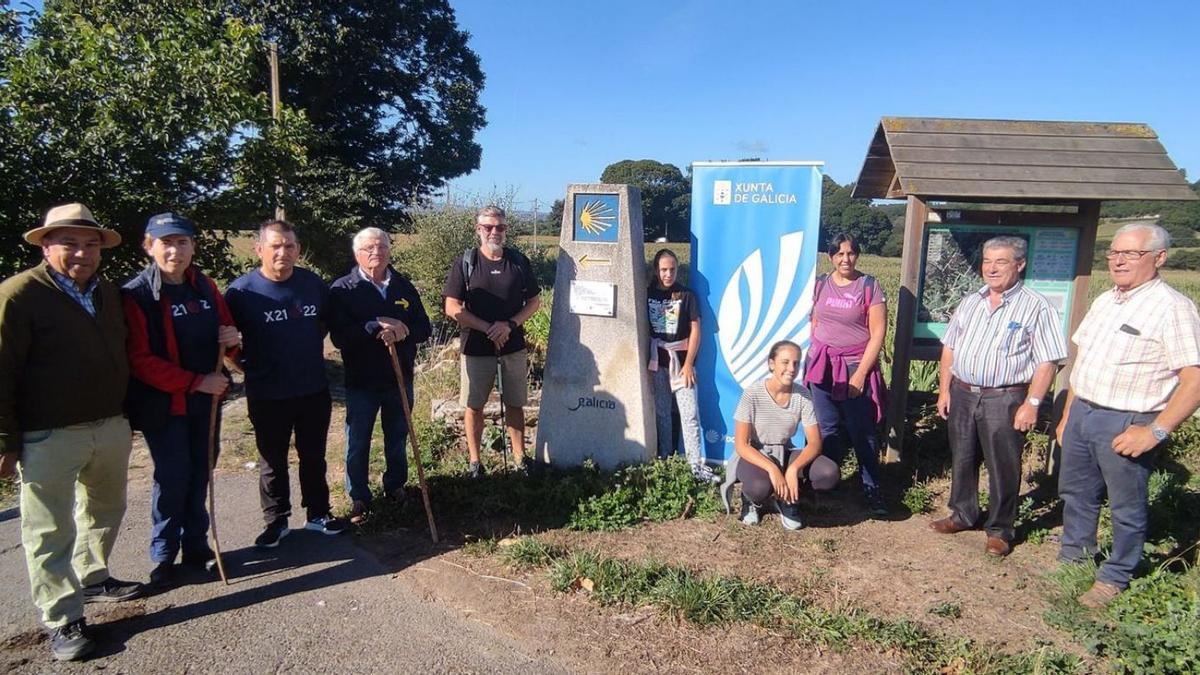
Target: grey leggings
<point x="821" y="474"/>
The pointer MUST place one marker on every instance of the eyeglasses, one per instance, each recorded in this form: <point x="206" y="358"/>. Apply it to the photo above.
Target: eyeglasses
<point x="1127" y="255"/>
<point x="494" y="228"/>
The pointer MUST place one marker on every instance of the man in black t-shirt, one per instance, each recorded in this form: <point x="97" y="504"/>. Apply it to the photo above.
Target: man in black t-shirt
<point x="490" y="294"/>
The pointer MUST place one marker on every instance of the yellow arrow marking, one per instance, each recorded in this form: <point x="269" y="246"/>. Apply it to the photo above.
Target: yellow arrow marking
<point x="595" y="261"/>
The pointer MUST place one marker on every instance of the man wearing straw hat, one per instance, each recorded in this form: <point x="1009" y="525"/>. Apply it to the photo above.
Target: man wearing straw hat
<point x="63" y="375"/>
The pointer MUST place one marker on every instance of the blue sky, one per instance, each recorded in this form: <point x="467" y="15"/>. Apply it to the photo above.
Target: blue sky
<point x="574" y="86"/>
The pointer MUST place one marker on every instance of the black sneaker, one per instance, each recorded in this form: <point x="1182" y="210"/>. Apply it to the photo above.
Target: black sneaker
<point x="326" y="524"/>
<point x="162" y="577"/>
<point x="68" y="643"/>
<point x="875" y="504"/>
<point x="270" y="537"/>
<point x="111" y="590"/>
<point x="475" y="470"/>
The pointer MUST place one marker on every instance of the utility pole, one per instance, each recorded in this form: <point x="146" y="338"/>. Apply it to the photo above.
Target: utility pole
<point x="280" y="213"/>
<point x="535" y="219"/>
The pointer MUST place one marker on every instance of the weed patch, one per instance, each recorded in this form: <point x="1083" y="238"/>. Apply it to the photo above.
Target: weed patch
<point x="583" y="499"/>
<point x="918" y="498"/>
<point x="657" y="491"/>
<point x="718" y="600"/>
<point x="1153" y="627"/>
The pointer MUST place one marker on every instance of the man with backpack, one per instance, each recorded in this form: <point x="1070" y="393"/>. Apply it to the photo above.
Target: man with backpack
<point x="490" y="292"/>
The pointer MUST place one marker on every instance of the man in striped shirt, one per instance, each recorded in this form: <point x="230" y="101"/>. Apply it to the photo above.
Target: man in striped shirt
<point x="1136" y="378"/>
<point x="999" y="355"/>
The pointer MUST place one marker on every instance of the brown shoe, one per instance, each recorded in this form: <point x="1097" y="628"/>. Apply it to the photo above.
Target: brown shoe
<point x="1099" y="595"/>
<point x="997" y="547"/>
<point x="358" y="514"/>
<point x="947" y="525"/>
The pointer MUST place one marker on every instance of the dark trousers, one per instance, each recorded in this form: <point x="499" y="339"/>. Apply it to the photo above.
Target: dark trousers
<point x="362" y="407"/>
<point x="1090" y="467"/>
<point x="274" y="421"/>
<point x="981" y="427"/>
<point x="177" y="510"/>
<point x="843" y="423"/>
<point x="820" y="474"/>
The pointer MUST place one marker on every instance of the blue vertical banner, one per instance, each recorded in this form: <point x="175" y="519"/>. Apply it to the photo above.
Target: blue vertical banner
<point x="755" y="243"/>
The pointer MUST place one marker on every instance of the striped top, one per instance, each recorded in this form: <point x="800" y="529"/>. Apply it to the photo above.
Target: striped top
<point x="770" y="423"/>
<point x="1004" y="346"/>
<point x="1133" y="345"/>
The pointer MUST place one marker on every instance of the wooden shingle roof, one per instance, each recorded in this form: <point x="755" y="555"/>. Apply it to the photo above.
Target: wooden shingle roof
<point x="1018" y="160"/>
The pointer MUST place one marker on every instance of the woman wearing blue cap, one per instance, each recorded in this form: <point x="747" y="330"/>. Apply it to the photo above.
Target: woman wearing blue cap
<point x="177" y="322"/>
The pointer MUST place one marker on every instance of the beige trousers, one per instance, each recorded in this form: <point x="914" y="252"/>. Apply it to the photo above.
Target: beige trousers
<point x="72" y="501"/>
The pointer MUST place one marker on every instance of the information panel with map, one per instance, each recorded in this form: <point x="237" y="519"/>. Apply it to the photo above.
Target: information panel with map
<point x="950" y="269"/>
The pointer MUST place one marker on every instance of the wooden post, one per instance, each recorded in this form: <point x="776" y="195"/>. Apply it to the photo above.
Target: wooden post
<point x="1089" y="222"/>
<point x="280" y="213"/>
<point x="906" y="316"/>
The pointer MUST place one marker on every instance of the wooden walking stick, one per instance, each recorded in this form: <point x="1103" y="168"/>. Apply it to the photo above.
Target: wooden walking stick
<point x="212" y="462"/>
<point x="412" y="437"/>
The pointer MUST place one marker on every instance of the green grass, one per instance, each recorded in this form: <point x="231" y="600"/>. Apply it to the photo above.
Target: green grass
<point x="583" y="499"/>
<point x="718" y="600"/>
<point x="1153" y="627"/>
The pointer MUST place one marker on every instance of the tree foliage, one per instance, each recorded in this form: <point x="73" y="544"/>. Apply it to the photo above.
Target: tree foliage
<point x="391" y="90"/>
<point x="840" y="213"/>
<point x="134" y="110"/>
<point x="666" y="195"/>
<point x="1186" y="213"/>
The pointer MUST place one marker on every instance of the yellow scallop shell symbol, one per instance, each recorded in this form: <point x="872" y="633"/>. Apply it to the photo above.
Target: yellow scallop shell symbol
<point x="596" y="217"/>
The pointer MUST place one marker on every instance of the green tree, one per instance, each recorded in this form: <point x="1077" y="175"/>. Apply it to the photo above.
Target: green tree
<point x="666" y="195"/>
<point x="134" y="112"/>
<point x="554" y="218"/>
<point x="840" y="213"/>
<point x="392" y="92"/>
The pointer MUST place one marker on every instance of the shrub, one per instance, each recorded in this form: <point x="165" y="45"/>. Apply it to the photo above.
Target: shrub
<point x="918" y="498"/>
<point x="440" y="235"/>
<point x="657" y="491"/>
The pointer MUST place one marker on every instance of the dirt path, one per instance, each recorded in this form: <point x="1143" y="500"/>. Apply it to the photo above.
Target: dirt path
<point x="314" y="604"/>
<point x="394" y="602"/>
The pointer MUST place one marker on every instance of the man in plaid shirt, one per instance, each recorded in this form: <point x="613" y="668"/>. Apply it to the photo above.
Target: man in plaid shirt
<point x="1136" y="378"/>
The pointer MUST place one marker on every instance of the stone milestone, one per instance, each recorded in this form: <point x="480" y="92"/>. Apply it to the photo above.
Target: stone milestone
<point x="597" y="396"/>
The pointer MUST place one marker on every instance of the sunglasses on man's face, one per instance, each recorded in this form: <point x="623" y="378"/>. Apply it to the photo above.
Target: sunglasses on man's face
<point x="494" y="228"/>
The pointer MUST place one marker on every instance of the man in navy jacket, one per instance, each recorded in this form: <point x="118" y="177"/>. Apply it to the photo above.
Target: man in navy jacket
<point x="370" y="308"/>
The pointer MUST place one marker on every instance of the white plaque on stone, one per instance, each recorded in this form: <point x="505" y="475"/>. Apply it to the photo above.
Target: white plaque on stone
<point x="595" y="298"/>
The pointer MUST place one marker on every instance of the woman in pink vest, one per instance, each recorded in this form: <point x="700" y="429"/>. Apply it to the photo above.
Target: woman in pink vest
<point x="849" y="323"/>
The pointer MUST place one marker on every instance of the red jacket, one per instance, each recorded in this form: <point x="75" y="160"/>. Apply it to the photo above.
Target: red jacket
<point x="162" y="371"/>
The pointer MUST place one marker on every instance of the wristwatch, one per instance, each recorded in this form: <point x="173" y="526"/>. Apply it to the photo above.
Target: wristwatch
<point x="512" y="325"/>
<point x="1034" y="401"/>
<point x="1160" y="434"/>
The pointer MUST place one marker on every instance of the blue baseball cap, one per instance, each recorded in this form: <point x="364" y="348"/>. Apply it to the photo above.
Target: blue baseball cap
<point x="169" y="223"/>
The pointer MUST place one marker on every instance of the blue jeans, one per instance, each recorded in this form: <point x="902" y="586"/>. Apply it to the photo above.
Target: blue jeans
<point x="177" y="509"/>
<point x="1089" y="467"/>
<point x="362" y="405"/>
<point x="689" y="417"/>
<point x="857" y="416"/>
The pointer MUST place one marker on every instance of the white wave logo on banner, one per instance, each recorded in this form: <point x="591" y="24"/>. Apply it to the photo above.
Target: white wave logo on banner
<point x="745" y="332"/>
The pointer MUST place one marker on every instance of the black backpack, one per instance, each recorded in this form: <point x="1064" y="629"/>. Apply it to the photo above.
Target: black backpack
<point x="470" y="260"/>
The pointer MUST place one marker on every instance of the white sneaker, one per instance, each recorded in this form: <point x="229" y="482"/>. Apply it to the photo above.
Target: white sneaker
<point x="750" y="515"/>
<point x="704" y="474"/>
<point x="792" y="521"/>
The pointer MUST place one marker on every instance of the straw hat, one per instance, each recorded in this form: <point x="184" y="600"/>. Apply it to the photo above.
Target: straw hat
<point x="72" y="215"/>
